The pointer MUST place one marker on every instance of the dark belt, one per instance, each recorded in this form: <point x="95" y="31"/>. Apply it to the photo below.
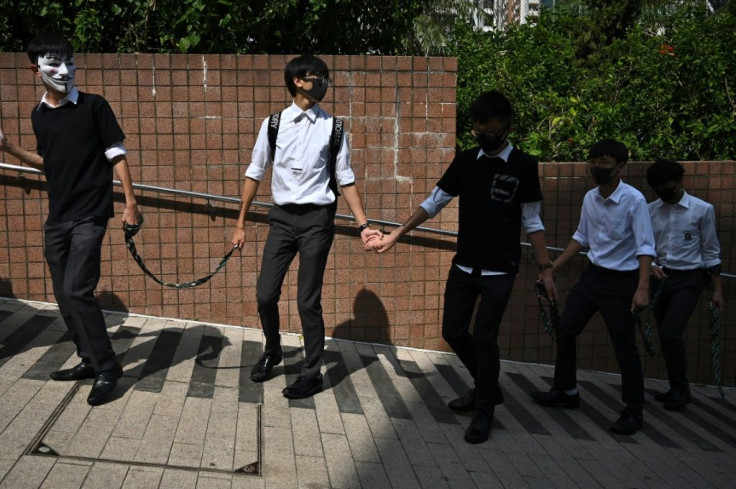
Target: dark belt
<point x="670" y="271"/>
<point x="608" y="271"/>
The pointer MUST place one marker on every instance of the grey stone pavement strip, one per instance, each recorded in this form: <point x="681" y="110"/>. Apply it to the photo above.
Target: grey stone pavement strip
<point x="186" y="415"/>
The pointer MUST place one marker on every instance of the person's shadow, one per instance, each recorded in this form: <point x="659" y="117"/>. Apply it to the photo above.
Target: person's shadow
<point x="6" y="288"/>
<point x="369" y="323"/>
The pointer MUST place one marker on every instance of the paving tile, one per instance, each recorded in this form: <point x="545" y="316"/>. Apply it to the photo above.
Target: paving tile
<point x="362" y="446"/>
<point x="28" y="473"/>
<point x="372" y="475"/>
<point x="156" y="443"/>
<point x="140" y="477"/>
<point x="178" y="479"/>
<point x="228" y="373"/>
<point x="248" y="482"/>
<point x="219" y="443"/>
<point x="92" y="436"/>
<point x="193" y="421"/>
<point x="104" y="475"/>
<point x="122" y="449"/>
<point x="340" y="465"/>
<point x="452" y="469"/>
<point x="279" y="465"/>
<point x="136" y="415"/>
<point x="206" y="481"/>
<point x="65" y="476"/>
<point x="306" y="433"/>
<point x="185" y="455"/>
<point x="312" y="472"/>
<point x="396" y="464"/>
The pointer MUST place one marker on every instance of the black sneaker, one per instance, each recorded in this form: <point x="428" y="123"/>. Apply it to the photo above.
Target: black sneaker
<point x="479" y="429"/>
<point x="464" y="404"/>
<point x="627" y="424"/>
<point x="557" y="398"/>
<point x="303" y="387"/>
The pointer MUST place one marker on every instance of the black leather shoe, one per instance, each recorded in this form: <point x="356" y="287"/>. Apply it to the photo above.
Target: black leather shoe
<point x="479" y="429"/>
<point x="264" y="365"/>
<point x="79" y="372"/>
<point x="663" y="396"/>
<point x="303" y="387"/>
<point x="104" y="384"/>
<point x="556" y="398"/>
<point x="677" y="400"/>
<point x="627" y="424"/>
<point x="464" y="404"/>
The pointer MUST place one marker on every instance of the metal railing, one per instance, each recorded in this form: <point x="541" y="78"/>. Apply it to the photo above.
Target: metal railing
<point x="235" y="200"/>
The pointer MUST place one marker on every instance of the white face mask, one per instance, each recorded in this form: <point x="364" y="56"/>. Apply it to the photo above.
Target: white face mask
<point x="57" y="72"/>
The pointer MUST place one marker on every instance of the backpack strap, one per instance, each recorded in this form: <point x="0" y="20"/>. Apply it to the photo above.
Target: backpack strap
<point x="273" y="130"/>
<point x="338" y="130"/>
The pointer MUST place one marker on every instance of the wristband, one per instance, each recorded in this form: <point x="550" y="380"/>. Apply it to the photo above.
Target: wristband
<point x="547" y="265"/>
<point x="363" y="227"/>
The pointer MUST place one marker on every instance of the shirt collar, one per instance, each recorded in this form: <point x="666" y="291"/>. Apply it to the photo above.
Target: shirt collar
<point x="685" y="200"/>
<point x="72" y="96"/>
<point x="615" y="196"/>
<point x="504" y="155"/>
<point x="295" y="111"/>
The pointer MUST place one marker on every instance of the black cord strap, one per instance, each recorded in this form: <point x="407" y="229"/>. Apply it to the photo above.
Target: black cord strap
<point x="132" y="230"/>
<point x="551" y="319"/>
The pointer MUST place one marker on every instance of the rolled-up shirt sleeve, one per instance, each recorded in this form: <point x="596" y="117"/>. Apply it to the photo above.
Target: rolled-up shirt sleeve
<point x="643" y="233"/>
<point x="436" y="201"/>
<point x="530" y="218"/>
<point x="343" y="171"/>
<point x="115" y="150"/>
<point x="710" y="245"/>
<point x="261" y="157"/>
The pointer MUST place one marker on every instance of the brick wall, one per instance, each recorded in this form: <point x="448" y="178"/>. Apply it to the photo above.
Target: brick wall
<point x="191" y="122"/>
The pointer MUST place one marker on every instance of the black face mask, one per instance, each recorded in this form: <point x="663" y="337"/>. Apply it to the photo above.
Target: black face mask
<point x="490" y="144"/>
<point x="319" y="87"/>
<point x="601" y="176"/>
<point x="667" y="194"/>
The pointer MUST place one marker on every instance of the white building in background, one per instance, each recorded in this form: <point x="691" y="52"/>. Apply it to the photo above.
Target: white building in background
<point x="501" y="13"/>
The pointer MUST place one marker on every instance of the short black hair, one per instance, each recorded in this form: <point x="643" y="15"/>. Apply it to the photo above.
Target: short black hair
<point x="663" y="171"/>
<point x="491" y="105"/>
<point x="610" y="147"/>
<point x="302" y="66"/>
<point x="51" y="43"/>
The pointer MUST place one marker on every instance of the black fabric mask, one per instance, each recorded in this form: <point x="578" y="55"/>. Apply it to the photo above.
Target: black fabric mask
<point x="601" y="176"/>
<point x="490" y="144"/>
<point x="319" y="88"/>
<point x="667" y="194"/>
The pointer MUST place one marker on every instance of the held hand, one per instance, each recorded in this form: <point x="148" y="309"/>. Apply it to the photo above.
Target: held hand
<point x="372" y="242"/>
<point x="718" y="299"/>
<point x="658" y="272"/>
<point x="388" y="241"/>
<point x="368" y="234"/>
<point x="548" y="279"/>
<point x="131" y="215"/>
<point x="641" y="300"/>
<point x="239" y="238"/>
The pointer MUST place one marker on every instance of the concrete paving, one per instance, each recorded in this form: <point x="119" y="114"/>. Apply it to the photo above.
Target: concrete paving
<point x="186" y="415"/>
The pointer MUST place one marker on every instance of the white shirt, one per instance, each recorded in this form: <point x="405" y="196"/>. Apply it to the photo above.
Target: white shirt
<point x="301" y="170"/>
<point x="72" y="97"/>
<point x="685" y="233"/>
<point x="530" y="219"/>
<point x="616" y="229"/>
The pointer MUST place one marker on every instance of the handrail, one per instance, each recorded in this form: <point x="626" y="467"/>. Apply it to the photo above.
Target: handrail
<point x="235" y="200"/>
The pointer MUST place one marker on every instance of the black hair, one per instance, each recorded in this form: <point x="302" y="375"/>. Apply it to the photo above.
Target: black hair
<point x="45" y="44"/>
<point x="302" y="66"/>
<point x="663" y="171"/>
<point x="610" y="147"/>
<point x="491" y="105"/>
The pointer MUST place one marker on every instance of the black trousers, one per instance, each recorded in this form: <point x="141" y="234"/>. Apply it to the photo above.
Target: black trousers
<point x="479" y="351"/>
<point x="73" y="253"/>
<point x="309" y="231"/>
<point x="610" y="293"/>
<point x="677" y="299"/>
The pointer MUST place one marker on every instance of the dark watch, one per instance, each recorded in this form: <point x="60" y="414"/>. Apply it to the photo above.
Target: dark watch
<point x="547" y="265"/>
<point x="363" y="226"/>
